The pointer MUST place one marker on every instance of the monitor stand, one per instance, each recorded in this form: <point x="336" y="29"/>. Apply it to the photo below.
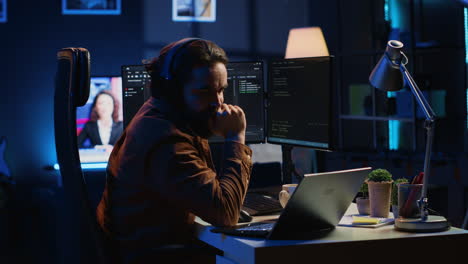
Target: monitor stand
<point x="289" y="169"/>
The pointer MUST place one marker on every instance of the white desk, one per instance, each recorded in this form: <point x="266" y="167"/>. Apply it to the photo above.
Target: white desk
<point x="350" y="244"/>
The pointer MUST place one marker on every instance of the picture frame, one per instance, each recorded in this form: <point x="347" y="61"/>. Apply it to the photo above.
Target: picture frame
<point x="3" y="11"/>
<point x="194" y="10"/>
<point x="91" y="7"/>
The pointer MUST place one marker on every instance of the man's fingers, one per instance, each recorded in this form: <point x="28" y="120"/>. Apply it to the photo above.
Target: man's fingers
<point x="227" y="109"/>
<point x="238" y="109"/>
<point x="221" y="110"/>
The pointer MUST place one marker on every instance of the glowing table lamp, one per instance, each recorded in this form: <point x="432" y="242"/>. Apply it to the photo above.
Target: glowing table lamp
<point x="306" y="42"/>
<point x="390" y="74"/>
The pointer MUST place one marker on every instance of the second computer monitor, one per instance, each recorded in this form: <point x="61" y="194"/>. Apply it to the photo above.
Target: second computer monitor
<point x="135" y="90"/>
<point x="299" y="103"/>
<point x="245" y="89"/>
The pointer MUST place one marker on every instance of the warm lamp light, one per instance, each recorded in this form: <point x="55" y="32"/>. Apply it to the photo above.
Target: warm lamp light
<point x="389" y="75"/>
<point x="306" y="42"/>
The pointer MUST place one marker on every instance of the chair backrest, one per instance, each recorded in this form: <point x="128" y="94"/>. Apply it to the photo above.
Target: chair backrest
<point x="72" y="90"/>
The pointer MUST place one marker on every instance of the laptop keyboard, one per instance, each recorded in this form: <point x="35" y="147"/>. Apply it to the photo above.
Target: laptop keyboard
<point x="260" y="227"/>
<point x="259" y="204"/>
<point x="251" y="230"/>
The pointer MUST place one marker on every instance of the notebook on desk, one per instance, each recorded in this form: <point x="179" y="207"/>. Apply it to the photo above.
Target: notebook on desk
<point x="314" y="209"/>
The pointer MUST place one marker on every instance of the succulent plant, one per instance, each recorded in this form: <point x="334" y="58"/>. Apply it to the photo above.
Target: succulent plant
<point x="379" y="175"/>
<point x="364" y="190"/>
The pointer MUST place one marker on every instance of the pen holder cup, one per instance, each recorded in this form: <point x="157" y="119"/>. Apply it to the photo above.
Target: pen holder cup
<point x="408" y="197"/>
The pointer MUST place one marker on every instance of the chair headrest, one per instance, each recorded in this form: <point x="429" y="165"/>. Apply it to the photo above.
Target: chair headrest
<point x="78" y="62"/>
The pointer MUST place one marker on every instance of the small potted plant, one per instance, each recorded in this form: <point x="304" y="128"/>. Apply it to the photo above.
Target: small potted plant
<point x="379" y="182"/>
<point x="395" y="207"/>
<point x="362" y="202"/>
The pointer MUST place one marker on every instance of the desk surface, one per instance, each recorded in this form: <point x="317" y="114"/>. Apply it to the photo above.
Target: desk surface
<point x="346" y="241"/>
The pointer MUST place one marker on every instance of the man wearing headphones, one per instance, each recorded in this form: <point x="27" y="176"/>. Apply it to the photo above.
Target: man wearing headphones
<point x="161" y="174"/>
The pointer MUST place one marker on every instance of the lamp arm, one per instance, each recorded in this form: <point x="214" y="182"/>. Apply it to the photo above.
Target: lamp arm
<point x="429" y="126"/>
<point x="427" y="160"/>
<point x="428" y="112"/>
<point x="289" y="168"/>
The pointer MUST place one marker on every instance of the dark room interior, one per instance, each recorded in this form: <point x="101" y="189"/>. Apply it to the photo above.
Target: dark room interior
<point x="371" y="127"/>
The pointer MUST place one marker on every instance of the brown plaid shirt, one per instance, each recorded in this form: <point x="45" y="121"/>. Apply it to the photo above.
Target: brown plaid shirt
<point x="160" y="175"/>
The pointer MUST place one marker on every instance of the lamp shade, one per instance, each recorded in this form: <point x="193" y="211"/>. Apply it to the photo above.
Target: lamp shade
<point x="306" y="42"/>
<point x="387" y="75"/>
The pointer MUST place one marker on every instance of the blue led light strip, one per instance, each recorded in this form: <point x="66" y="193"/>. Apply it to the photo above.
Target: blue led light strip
<point x="393" y="129"/>
<point x="466" y="34"/>
<point x="386" y="11"/>
<point x="87" y="166"/>
<point x="393" y="125"/>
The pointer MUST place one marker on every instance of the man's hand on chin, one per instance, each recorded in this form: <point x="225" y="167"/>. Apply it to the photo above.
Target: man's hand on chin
<point x="230" y="123"/>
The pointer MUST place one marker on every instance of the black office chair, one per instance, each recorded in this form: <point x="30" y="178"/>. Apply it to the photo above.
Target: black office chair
<point x="72" y="90"/>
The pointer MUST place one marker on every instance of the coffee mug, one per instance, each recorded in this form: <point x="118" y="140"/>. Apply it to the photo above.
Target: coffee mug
<point x="286" y="191"/>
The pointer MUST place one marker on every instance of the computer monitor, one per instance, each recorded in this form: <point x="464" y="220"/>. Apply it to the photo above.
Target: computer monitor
<point x="86" y="123"/>
<point x="135" y="90"/>
<point x="245" y="88"/>
<point x="300" y="103"/>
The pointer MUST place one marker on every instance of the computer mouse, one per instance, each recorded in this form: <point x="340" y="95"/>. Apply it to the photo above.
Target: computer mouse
<point x="244" y="217"/>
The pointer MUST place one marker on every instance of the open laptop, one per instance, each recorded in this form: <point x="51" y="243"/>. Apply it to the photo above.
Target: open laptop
<point x="315" y="208"/>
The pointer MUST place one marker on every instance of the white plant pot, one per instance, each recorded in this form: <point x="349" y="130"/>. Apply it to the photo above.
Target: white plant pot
<point x="363" y="205"/>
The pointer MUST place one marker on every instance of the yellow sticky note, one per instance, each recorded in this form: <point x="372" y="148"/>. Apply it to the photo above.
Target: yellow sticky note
<point x="365" y="220"/>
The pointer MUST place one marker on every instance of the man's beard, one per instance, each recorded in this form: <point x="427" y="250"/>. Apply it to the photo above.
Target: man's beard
<point x="202" y="122"/>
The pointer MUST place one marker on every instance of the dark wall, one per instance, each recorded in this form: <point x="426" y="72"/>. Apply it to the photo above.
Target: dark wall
<point x="244" y="28"/>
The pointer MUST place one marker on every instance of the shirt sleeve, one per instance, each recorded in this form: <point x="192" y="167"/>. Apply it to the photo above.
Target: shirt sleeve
<point x="193" y="186"/>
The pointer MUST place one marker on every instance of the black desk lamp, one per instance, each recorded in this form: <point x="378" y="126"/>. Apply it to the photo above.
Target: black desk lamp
<point x="389" y="75"/>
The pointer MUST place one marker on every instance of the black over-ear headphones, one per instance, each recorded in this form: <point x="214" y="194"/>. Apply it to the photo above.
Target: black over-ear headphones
<point x="166" y="69"/>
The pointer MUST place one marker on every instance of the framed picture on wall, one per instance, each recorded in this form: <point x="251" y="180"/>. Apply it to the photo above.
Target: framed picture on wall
<point x="91" y="7"/>
<point x="194" y="10"/>
<point x="3" y="11"/>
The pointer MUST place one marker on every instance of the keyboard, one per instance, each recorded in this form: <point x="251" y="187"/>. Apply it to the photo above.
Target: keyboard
<point x="259" y="204"/>
<point x="251" y="230"/>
